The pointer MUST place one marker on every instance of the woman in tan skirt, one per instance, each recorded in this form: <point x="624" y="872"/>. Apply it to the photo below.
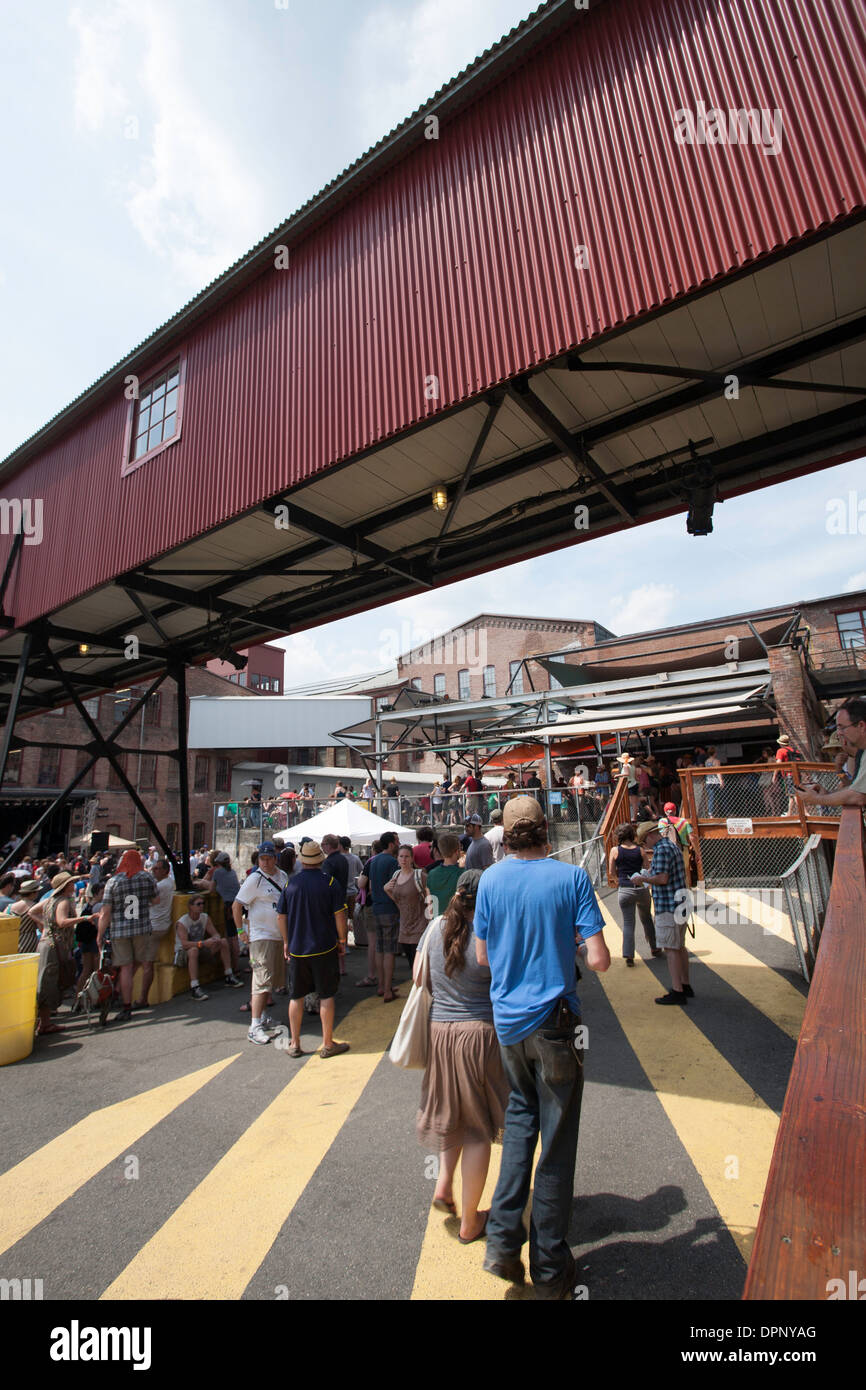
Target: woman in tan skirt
<point x="464" y="1092"/>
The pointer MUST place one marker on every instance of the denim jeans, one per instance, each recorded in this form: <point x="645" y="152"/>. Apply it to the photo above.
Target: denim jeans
<point x="545" y="1072"/>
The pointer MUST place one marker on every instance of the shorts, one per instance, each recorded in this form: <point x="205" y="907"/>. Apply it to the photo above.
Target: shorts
<point x="138" y="950"/>
<point x="314" y="975"/>
<point x="265" y="957"/>
<point x="387" y="932"/>
<point x="670" y="934"/>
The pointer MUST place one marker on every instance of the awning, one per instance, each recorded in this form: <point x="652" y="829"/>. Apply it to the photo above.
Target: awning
<point x="526" y="753"/>
<point x="660" y="718"/>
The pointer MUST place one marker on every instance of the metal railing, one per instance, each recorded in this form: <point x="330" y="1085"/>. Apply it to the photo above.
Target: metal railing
<point x="806" y="886"/>
<point x="586" y="854"/>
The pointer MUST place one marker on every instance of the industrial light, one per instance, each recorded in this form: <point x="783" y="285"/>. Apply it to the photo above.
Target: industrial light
<point x="439" y="498"/>
<point x="83" y="649"/>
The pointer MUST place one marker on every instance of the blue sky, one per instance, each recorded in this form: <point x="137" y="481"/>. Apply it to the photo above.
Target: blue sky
<point x="152" y="143"/>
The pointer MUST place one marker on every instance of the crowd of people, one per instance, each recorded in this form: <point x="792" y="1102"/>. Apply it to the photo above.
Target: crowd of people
<point x="492" y="923"/>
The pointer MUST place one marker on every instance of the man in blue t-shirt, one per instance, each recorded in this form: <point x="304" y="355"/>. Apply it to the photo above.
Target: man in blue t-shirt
<point x="311" y="915"/>
<point x="386" y="915"/>
<point x="527" y="915"/>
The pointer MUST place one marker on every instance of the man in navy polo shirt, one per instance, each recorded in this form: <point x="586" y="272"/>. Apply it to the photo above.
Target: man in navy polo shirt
<point x="312" y="919"/>
<point x="527" y="914"/>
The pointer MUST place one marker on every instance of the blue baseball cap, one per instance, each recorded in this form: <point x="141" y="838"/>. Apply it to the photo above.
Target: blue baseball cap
<point x="267" y="847"/>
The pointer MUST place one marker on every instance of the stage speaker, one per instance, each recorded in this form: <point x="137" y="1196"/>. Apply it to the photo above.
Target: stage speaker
<point x="98" y="841"/>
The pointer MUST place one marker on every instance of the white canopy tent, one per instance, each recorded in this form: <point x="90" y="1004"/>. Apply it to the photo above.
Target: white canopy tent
<point x="346" y="817"/>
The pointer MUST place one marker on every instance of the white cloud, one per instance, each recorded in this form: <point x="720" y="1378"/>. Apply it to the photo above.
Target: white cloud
<point x="192" y="198"/>
<point x="408" y="51"/>
<point x="855" y="581"/>
<point x="643" y="608"/>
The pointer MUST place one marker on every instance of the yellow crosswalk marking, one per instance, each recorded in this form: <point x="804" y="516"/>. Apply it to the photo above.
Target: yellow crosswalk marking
<point x="762" y="986"/>
<point x="762" y="912"/>
<point x="727" y="1130"/>
<point x="212" y="1245"/>
<point x="35" y="1187"/>
<point x="447" y="1270"/>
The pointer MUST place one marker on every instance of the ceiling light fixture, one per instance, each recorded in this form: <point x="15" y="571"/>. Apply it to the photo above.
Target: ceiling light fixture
<point x="439" y="498"/>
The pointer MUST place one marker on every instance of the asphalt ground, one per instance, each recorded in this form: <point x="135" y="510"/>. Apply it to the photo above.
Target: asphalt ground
<point x="237" y="1172"/>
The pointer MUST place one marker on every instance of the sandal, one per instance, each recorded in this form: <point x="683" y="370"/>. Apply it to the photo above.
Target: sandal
<point x="368" y="980"/>
<point x="441" y="1204"/>
<point x="470" y="1240"/>
<point x="389" y="998"/>
<point x="48" y="1028"/>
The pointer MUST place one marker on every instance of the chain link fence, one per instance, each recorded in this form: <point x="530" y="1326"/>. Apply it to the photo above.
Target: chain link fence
<point x="806" y="886"/>
<point x="589" y="855"/>
<point x="758" y="792"/>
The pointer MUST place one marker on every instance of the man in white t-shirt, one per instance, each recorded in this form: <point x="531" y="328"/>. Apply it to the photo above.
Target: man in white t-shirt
<point x="160" y="921"/>
<point x="495" y="835"/>
<point x="260" y="895"/>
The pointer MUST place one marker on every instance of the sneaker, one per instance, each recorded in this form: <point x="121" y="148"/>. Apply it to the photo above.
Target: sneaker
<point x="269" y="1024"/>
<point x="673" y="996"/>
<point x="198" y="993"/>
<point x="124" y="1016"/>
<point x="257" y="1034"/>
<point x="688" y="992"/>
<point x="233" y="982"/>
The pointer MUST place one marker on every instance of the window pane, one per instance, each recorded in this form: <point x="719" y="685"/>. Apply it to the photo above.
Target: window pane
<point x="155" y="435"/>
<point x="168" y="427"/>
<point x="157" y="410"/>
<point x="173" y="378"/>
<point x="143" y="420"/>
<point x="140" y="446"/>
<point x="171" y="403"/>
<point x="158" y="389"/>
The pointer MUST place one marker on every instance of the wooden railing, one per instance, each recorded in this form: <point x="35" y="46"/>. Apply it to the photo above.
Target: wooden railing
<point x="766" y="805"/>
<point x="618" y="813"/>
<point x="812" y="1225"/>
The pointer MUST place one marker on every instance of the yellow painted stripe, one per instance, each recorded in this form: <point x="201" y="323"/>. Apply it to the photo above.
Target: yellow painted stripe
<point x="449" y="1271"/>
<point x="35" y="1187"/>
<point x="212" y="1245"/>
<point x="727" y="1131"/>
<point x="766" y="990"/>
<point x="763" y="913"/>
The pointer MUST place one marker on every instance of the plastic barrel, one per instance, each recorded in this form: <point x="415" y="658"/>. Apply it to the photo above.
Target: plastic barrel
<point x="9" y="927"/>
<point x="18" y="976"/>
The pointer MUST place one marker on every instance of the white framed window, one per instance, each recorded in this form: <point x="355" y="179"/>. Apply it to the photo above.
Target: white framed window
<point x="154" y="417"/>
<point x="439" y="684"/>
<point x="489" y="682"/>
<point x="464" y="690"/>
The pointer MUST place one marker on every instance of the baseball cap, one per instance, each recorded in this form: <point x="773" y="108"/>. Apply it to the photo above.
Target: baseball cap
<point x="311" y="854"/>
<point x="670" y="807"/>
<point x="473" y="820"/>
<point x="496" y="816"/>
<point x="522" y="808"/>
<point x="267" y="847"/>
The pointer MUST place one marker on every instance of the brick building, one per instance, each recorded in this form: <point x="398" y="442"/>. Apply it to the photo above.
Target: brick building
<point x="482" y="657"/>
<point x="263" y="671"/>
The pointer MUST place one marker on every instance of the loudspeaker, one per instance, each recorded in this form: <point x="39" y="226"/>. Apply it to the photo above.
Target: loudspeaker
<point x="98" y="841"/>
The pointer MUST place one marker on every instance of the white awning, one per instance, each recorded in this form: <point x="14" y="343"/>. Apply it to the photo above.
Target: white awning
<point x="661" y="717"/>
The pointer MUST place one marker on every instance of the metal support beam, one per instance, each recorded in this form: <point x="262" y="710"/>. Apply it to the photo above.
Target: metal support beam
<point x="744" y="375"/>
<point x="149" y="617"/>
<point x="12" y="714"/>
<point x="494" y="402"/>
<point x="60" y="800"/>
<point x="6" y="619"/>
<point x="351" y="541"/>
<point x="182" y="873"/>
<point x="544" y="418"/>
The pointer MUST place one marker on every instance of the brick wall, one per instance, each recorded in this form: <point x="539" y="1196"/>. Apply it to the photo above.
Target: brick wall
<point x="490" y="641"/>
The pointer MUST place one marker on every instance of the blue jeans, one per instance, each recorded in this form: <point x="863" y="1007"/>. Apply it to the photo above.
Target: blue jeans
<point x="545" y="1072"/>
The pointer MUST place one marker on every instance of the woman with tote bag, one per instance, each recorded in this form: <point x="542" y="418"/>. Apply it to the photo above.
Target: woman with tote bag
<point x="464" y="1091"/>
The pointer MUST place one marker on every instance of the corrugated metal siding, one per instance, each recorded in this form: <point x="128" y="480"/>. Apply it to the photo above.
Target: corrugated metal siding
<point x="460" y="264"/>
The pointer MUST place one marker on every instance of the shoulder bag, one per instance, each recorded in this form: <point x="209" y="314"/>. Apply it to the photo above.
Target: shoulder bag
<point x="412" y="1039"/>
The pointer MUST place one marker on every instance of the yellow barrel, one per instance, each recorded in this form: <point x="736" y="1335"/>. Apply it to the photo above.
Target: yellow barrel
<point x="9" y="927"/>
<point x="18" y="976"/>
